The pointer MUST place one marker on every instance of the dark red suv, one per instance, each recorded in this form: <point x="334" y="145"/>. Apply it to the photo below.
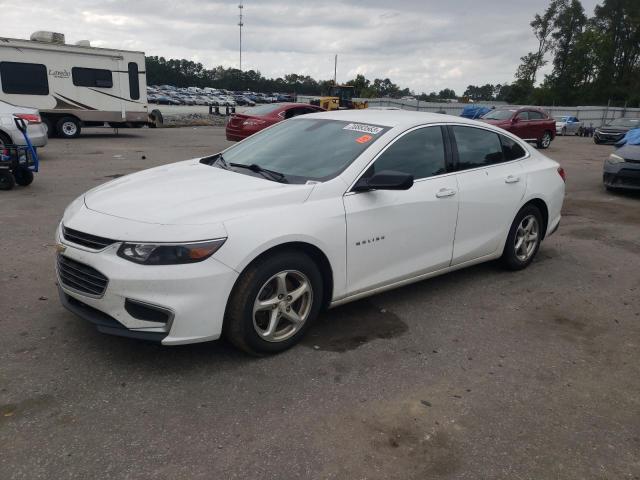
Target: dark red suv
<point x="529" y="123"/>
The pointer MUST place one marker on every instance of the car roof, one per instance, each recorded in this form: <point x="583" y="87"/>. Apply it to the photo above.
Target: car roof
<point x="390" y="118"/>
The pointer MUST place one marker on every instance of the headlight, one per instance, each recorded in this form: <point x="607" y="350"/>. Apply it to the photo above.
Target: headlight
<point x="169" y="253"/>
<point x="613" y="158"/>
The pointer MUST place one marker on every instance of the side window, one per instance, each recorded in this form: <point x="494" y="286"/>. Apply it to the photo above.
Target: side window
<point x="24" y="78"/>
<point x="523" y="115"/>
<point x="534" y="115"/>
<point x="134" y="81"/>
<point x="511" y="149"/>
<point x="477" y="147"/>
<point x="419" y="153"/>
<point x="91" y="77"/>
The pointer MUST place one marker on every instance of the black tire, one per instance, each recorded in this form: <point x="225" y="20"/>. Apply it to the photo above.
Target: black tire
<point x="542" y="143"/>
<point x="238" y="325"/>
<point x="23" y="176"/>
<point x="68" y="127"/>
<point x="509" y="257"/>
<point x="51" y="130"/>
<point x="156" y="119"/>
<point x="7" y="182"/>
<point x="5" y="139"/>
<point x="597" y="142"/>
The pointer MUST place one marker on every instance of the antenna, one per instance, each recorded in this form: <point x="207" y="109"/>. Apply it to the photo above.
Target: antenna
<point x="335" y="70"/>
<point x="240" y="24"/>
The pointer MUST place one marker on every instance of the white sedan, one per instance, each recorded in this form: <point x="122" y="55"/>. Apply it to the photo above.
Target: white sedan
<point x="311" y="213"/>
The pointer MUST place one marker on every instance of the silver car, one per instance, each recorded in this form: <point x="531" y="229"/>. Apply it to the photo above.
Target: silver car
<point x="567" y="125"/>
<point x="9" y="133"/>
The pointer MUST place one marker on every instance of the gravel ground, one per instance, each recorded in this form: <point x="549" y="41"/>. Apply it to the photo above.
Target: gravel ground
<point x="481" y="373"/>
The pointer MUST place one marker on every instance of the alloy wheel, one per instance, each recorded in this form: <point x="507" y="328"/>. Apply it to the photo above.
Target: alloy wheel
<point x="282" y="305"/>
<point x="526" y="238"/>
<point x="546" y="140"/>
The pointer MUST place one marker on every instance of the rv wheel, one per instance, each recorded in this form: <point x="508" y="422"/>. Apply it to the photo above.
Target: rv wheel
<point x="68" y="127"/>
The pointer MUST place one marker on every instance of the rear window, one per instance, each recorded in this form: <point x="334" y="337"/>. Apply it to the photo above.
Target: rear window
<point x="24" y="78"/>
<point x="535" y="115"/>
<point x="499" y="114"/>
<point x="306" y="148"/>
<point x="91" y="77"/>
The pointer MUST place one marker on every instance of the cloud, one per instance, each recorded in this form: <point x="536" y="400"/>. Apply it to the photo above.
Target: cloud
<point x="424" y="45"/>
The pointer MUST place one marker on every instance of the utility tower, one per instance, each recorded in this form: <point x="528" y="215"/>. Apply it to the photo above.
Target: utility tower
<point x="240" y="24"/>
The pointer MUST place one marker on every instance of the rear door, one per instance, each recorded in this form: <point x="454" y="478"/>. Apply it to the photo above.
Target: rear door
<point x="538" y="124"/>
<point x="491" y="184"/>
<point x="394" y="235"/>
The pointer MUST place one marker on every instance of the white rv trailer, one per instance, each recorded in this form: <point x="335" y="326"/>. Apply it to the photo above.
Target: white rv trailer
<point x="74" y="85"/>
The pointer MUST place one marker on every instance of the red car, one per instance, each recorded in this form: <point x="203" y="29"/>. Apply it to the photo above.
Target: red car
<point x="241" y="125"/>
<point x="529" y="123"/>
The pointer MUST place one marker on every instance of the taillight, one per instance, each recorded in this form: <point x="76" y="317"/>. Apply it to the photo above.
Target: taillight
<point x="562" y="174"/>
<point x="29" y="117"/>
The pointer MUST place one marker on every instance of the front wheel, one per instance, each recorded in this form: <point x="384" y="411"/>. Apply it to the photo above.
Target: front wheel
<point x="68" y="127"/>
<point x="524" y="238"/>
<point x="545" y="141"/>
<point x="273" y="303"/>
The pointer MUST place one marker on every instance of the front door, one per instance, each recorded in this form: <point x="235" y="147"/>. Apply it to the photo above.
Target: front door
<point x="394" y="235"/>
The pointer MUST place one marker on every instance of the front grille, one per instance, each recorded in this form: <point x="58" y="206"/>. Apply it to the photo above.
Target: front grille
<point x="80" y="277"/>
<point x="86" y="239"/>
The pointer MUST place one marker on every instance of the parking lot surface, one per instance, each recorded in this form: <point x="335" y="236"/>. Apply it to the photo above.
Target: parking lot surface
<point x="481" y="373"/>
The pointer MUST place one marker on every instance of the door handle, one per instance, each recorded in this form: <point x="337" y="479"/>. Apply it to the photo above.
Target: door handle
<point x="512" y="179"/>
<point x="445" y="192"/>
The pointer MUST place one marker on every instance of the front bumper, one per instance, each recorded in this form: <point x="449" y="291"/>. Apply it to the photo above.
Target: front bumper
<point x="194" y="295"/>
<point x="624" y="175"/>
<point x="602" y="137"/>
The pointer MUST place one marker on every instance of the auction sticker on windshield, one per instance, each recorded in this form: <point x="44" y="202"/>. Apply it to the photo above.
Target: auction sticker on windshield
<point x="361" y="127"/>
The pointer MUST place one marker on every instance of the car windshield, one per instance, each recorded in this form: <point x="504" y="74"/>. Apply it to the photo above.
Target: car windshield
<point x="263" y="109"/>
<point x="499" y="114"/>
<point x="306" y="149"/>
<point x="626" y="122"/>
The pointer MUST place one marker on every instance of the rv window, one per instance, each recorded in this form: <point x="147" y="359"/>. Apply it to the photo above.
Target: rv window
<point x="91" y="77"/>
<point x="24" y="78"/>
<point x="134" y="82"/>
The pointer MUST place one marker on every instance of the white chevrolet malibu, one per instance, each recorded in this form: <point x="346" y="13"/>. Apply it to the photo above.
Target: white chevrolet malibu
<point x="311" y="213"/>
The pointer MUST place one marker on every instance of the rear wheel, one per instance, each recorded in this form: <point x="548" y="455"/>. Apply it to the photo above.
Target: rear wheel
<point x="524" y="238"/>
<point x="23" y="176"/>
<point x="68" y="127"/>
<point x="273" y="303"/>
<point x="545" y="141"/>
<point x="7" y="182"/>
<point x="5" y="139"/>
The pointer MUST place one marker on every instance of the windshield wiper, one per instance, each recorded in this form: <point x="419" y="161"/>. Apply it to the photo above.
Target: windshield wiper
<point x="265" y="172"/>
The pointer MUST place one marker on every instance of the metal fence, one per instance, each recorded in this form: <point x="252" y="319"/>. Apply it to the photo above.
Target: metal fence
<point x="590" y="115"/>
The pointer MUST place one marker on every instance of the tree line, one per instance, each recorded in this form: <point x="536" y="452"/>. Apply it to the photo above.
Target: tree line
<point x="594" y="60"/>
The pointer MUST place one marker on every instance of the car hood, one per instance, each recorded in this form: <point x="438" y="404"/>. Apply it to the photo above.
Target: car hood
<point x="610" y="129"/>
<point x="629" y="152"/>
<point x="190" y="193"/>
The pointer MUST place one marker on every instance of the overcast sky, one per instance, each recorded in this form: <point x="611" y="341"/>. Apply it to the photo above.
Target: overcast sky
<point x="425" y="45"/>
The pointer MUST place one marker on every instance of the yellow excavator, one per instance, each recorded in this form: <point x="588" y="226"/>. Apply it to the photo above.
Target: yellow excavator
<point x="340" y="98"/>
